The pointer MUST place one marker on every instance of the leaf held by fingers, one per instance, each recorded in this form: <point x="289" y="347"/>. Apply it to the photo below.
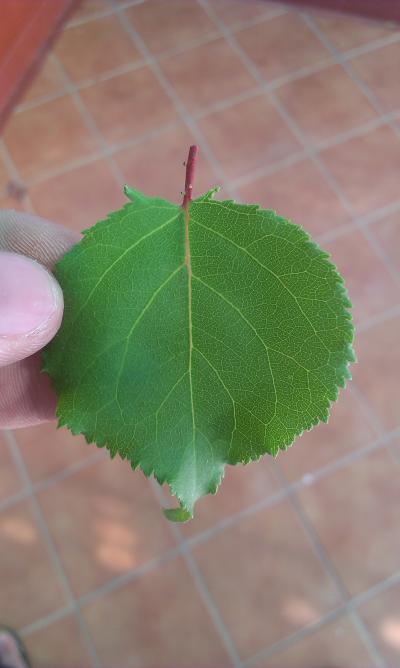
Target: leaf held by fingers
<point x="196" y="337"/>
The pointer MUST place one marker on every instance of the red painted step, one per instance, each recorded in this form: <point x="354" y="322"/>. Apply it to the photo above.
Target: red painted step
<point x="27" y="28"/>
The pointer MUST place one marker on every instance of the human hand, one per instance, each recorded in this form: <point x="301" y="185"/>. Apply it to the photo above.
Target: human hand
<point x="31" y="308"/>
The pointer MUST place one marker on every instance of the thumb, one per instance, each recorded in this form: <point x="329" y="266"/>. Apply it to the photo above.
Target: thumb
<point x="31" y="307"/>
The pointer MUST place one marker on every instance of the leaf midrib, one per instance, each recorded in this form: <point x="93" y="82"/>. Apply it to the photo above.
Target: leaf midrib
<point x="188" y="264"/>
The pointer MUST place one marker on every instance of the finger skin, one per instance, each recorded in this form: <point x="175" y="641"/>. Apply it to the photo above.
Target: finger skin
<point x="26" y="395"/>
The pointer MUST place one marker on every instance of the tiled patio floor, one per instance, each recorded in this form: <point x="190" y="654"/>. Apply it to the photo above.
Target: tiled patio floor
<point x="295" y="563"/>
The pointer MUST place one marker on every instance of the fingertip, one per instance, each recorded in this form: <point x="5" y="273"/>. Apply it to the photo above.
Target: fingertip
<point x="31" y="307"/>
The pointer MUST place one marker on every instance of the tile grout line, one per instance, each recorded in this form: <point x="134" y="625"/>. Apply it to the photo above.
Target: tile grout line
<point x="98" y="155"/>
<point x="128" y="67"/>
<point x="295" y="75"/>
<point x="394" y="453"/>
<point x="375" y="103"/>
<point x="370" y="46"/>
<point x="335" y="186"/>
<point x="51" y="548"/>
<point x="308" y="152"/>
<point x="200" y="584"/>
<point x="271" y="168"/>
<point x="152" y="63"/>
<point x="330" y="569"/>
<point x="355" y="602"/>
<point x="110" y="586"/>
<point x="89" y="121"/>
<point x="346" y="460"/>
<point x="273" y="13"/>
<point x="285" y="493"/>
<point x="13" y="172"/>
<point x="51" y="480"/>
<point x="380" y="441"/>
<point x="286" y="642"/>
<point x="274" y="83"/>
<point x="344" y="62"/>
<point x="312" y="152"/>
<point x="255" y="72"/>
<point x="365" y="408"/>
<point x="329" y="617"/>
<point x="47" y="620"/>
<point x="376" y="216"/>
<point x="331" y="180"/>
<point x="311" y="532"/>
<point x="291" y="123"/>
<point x="130" y="576"/>
<point x="102" y="13"/>
<point x="185" y="116"/>
<point x="240" y="25"/>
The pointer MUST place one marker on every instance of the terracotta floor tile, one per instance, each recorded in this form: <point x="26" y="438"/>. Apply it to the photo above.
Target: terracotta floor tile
<point x="301" y="194"/>
<point x="11" y="203"/>
<point x="47" y="136"/>
<point x="346" y="32"/>
<point x="248" y="135"/>
<point x="235" y="12"/>
<point x="90" y="49"/>
<point x="58" y="645"/>
<point x="105" y="522"/>
<point x="28" y="583"/>
<point x="347" y="430"/>
<point x="156" y="166"/>
<point x="376" y="373"/>
<point x="242" y="487"/>
<point x="382" y="618"/>
<point x="10" y="482"/>
<point x="47" y="81"/>
<point x="394" y="449"/>
<point x="86" y="8"/>
<point x="367" y="169"/>
<point x="371" y="288"/>
<point x="159" y="621"/>
<point x="79" y="198"/>
<point x="281" y="45"/>
<point x="129" y="105"/>
<point x="355" y="512"/>
<point x="387" y="233"/>
<point x="339" y="641"/>
<point x="203" y="76"/>
<point x="4" y="178"/>
<point x="252" y="571"/>
<point x="47" y="450"/>
<point x="168" y="25"/>
<point x="326" y="103"/>
<point x="379" y="69"/>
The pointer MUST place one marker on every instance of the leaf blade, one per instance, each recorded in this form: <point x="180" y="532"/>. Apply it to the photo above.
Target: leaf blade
<point x="222" y="337"/>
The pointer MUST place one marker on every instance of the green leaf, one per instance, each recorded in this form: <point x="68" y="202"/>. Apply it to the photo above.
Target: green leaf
<point x="190" y="342"/>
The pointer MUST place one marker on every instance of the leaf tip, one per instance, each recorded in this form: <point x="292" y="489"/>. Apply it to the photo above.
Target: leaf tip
<point x="179" y="514"/>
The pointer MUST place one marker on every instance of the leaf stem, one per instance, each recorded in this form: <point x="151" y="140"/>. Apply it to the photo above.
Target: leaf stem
<point x="190" y="168"/>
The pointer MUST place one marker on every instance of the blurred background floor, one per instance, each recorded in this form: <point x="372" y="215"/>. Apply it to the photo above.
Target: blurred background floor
<point x="295" y="563"/>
